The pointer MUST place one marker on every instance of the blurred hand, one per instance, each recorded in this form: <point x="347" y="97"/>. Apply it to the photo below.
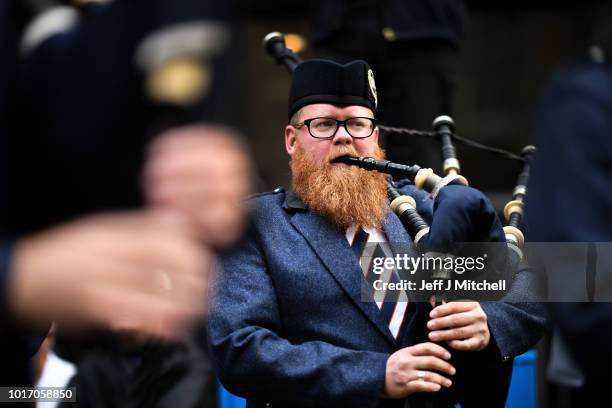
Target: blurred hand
<point x="417" y="369"/>
<point x="137" y="272"/>
<point x="463" y="325"/>
<point x="203" y="171"/>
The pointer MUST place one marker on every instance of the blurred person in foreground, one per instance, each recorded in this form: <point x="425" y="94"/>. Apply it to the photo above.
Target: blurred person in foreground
<point x="93" y="122"/>
<point x="289" y="325"/>
<point x="572" y="204"/>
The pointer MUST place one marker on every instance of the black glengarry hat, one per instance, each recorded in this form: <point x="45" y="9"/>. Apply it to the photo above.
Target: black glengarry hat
<point x="325" y="81"/>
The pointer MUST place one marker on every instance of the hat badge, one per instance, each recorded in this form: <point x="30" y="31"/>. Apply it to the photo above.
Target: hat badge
<point x="372" y="87"/>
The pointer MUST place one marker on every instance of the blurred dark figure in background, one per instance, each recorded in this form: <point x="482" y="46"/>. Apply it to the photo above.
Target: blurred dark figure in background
<point x="95" y="85"/>
<point x="570" y="200"/>
<point x="412" y="47"/>
<point x="100" y="105"/>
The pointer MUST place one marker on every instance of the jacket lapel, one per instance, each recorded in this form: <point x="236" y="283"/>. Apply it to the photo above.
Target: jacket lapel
<point x="333" y="250"/>
<point x="397" y="236"/>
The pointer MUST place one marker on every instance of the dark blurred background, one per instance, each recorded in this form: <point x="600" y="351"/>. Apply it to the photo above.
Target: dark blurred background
<point x="507" y="53"/>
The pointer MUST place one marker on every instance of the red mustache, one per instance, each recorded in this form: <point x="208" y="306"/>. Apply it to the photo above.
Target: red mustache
<point x="341" y="151"/>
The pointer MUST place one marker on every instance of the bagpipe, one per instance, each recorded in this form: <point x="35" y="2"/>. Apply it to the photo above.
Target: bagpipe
<point x="463" y="219"/>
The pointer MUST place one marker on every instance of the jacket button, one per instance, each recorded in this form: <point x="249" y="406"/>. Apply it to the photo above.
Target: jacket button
<point x="389" y="34"/>
<point x="506" y="358"/>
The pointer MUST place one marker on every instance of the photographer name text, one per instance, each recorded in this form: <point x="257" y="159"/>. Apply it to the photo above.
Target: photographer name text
<point x="441" y="285"/>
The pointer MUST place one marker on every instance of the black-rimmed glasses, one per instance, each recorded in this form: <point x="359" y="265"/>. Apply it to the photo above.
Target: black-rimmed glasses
<point x="326" y="128"/>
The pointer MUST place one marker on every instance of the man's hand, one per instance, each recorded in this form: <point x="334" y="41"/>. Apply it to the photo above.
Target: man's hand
<point x="204" y="172"/>
<point x="463" y="325"/>
<point x="138" y="272"/>
<point x="416" y="369"/>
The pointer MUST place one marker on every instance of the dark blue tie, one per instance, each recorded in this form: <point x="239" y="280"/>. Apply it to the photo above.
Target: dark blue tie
<point x="392" y="303"/>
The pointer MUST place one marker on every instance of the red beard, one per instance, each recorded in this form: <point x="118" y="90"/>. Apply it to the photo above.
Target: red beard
<point x="345" y="195"/>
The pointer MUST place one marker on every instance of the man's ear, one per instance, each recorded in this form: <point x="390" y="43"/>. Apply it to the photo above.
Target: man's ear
<point x="375" y="135"/>
<point x="290" y="139"/>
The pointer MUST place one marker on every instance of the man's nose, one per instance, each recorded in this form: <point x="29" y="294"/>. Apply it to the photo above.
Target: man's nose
<point x="342" y="136"/>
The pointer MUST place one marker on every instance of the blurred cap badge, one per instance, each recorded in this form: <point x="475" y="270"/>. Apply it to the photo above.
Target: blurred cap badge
<point x="180" y="81"/>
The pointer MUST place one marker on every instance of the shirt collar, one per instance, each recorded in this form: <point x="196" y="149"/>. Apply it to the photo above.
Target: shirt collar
<point x="293" y="202"/>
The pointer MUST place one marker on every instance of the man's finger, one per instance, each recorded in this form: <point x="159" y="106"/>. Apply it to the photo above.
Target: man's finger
<point x="459" y="333"/>
<point x="452" y="307"/>
<point x="451" y="321"/>
<point x="473" y="343"/>
<point x="434" y="363"/>
<point x="430" y="349"/>
<point x="433" y="377"/>
<point x="422" y="386"/>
